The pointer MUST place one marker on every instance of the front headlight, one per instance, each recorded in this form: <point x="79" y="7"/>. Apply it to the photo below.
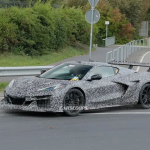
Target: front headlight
<point x="52" y="88"/>
<point x="11" y="83"/>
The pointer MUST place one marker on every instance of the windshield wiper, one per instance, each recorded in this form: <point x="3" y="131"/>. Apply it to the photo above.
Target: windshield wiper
<point x="58" y="79"/>
<point x="54" y="78"/>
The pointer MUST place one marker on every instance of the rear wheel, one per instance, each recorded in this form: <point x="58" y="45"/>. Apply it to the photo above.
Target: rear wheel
<point x="145" y="96"/>
<point x="73" y="102"/>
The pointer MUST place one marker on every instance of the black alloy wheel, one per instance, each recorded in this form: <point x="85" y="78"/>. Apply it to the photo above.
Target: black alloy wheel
<point x="74" y="102"/>
<point x="145" y="96"/>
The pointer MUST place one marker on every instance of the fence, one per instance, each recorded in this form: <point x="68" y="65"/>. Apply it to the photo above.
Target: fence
<point x="19" y="71"/>
<point x="109" y="41"/>
<point x="123" y="52"/>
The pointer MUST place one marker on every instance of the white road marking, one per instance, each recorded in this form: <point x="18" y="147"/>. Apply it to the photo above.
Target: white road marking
<point x="121" y="113"/>
<point x="3" y="114"/>
<point x="138" y="68"/>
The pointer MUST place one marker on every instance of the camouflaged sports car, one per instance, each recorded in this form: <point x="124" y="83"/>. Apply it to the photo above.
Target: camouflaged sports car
<point x="75" y="86"/>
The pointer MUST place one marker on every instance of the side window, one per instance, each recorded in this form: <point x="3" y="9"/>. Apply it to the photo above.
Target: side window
<point x="104" y="71"/>
<point x="116" y="70"/>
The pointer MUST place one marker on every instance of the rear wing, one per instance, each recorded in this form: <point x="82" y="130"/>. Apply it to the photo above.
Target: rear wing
<point x="130" y="64"/>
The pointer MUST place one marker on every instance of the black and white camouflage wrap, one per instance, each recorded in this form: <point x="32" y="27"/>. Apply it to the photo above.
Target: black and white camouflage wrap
<point x="120" y="89"/>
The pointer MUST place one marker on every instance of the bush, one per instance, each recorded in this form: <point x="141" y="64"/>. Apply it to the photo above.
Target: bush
<point x="75" y="3"/>
<point x="8" y="32"/>
<point x="41" y="29"/>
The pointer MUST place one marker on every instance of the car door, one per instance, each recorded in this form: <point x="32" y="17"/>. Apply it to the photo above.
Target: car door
<point x="104" y="91"/>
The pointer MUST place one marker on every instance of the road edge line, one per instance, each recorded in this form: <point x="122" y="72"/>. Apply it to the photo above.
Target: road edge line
<point x="138" y="68"/>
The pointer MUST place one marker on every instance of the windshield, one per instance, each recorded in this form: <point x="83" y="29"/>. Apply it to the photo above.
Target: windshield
<point x="67" y="72"/>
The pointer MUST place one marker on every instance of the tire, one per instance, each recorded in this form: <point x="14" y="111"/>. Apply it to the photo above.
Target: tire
<point x="74" y="98"/>
<point x="145" y="96"/>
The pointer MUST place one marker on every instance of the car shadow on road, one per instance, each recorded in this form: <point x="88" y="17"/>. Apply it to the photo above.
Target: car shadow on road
<point x="32" y="114"/>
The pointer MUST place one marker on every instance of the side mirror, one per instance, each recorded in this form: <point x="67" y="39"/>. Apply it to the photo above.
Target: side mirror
<point x="43" y="71"/>
<point x="96" y="77"/>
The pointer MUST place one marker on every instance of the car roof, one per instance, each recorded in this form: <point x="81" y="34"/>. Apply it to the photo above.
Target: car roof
<point x="122" y="69"/>
<point x="89" y="63"/>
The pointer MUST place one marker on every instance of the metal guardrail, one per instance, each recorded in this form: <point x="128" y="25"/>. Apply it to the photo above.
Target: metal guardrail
<point x="19" y="71"/>
<point x="109" y="41"/>
<point x="123" y="52"/>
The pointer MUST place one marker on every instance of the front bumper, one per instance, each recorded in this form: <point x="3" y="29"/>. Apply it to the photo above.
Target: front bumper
<point x="37" y="104"/>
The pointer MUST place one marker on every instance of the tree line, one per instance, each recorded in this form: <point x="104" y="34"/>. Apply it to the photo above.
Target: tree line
<point x="36" y="27"/>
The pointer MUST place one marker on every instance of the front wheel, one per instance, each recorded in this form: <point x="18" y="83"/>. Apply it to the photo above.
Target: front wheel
<point x="74" y="102"/>
<point x="145" y="96"/>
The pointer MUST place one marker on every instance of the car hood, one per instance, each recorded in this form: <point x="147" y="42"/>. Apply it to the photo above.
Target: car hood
<point x="36" y="81"/>
<point x="26" y="86"/>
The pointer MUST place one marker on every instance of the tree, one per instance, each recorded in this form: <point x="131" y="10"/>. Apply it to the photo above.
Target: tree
<point x="145" y="5"/>
<point x="118" y="22"/>
<point x="19" y="3"/>
<point x="75" y="3"/>
<point x="26" y="3"/>
<point x="134" y="10"/>
<point x="148" y="18"/>
<point x="130" y="8"/>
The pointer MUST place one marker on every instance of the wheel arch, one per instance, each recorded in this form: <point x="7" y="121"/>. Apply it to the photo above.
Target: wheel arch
<point x="141" y="89"/>
<point x="82" y="93"/>
<point x="144" y="84"/>
<point x="141" y="102"/>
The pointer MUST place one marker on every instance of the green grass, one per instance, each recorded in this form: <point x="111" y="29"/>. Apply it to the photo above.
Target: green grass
<point x="3" y="86"/>
<point x="145" y="44"/>
<point x="11" y="60"/>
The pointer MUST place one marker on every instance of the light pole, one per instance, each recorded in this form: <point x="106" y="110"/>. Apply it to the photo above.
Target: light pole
<point x="106" y="23"/>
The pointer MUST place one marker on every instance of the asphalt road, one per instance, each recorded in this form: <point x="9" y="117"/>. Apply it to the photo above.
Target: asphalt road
<point x="146" y="59"/>
<point x="119" y="128"/>
<point x="110" y="129"/>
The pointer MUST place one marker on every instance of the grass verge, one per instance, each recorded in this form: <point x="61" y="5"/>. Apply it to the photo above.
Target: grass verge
<point x="3" y="86"/>
<point x="11" y="60"/>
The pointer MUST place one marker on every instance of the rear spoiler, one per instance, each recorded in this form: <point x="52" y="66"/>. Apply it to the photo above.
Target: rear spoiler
<point x="130" y="64"/>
